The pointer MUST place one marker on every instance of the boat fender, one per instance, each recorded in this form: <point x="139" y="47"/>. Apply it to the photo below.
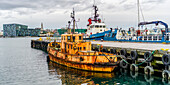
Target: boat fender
<point x="133" y="55"/>
<point x="133" y="67"/>
<point x="148" y="70"/>
<point x="104" y="50"/>
<point x="166" y="74"/>
<point x="108" y="50"/>
<point x="148" y="78"/>
<point x="148" y="54"/>
<point x="123" y="64"/>
<point x="48" y="58"/>
<point x="123" y="52"/>
<point x="133" y="74"/>
<point x="166" y="59"/>
<point x="113" y="51"/>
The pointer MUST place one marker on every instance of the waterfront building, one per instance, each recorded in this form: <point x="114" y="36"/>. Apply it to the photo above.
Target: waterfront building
<point x="14" y="30"/>
<point x="1" y="33"/>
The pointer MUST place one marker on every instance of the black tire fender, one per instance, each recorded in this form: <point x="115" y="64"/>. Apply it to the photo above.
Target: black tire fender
<point x="123" y="64"/>
<point x="166" y="59"/>
<point x="133" y="55"/>
<point x="146" y="55"/>
<point x="123" y="52"/>
<point x="113" y="51"/>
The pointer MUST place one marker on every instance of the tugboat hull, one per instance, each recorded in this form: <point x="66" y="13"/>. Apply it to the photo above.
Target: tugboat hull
<point x="83" y="66"/>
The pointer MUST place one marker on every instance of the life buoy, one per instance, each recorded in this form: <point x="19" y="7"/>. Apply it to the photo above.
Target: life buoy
<point x="113" y="51"/>
<point x="123" y="64"/>
<point x="133" y="67"/>
<point x="166" y="74"/>
<point x="123" y="52"/>
<point x="166" y="59"/>
<point x="148" y="70"/>
<point x="148" y="56"/>
<point x="133" y="55"/>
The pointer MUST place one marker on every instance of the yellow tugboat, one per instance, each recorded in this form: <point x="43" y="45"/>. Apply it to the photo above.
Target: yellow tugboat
<point x="73" y="52"/>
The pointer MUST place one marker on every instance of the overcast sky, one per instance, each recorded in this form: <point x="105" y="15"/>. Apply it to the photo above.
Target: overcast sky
<point x="56" y="13"/>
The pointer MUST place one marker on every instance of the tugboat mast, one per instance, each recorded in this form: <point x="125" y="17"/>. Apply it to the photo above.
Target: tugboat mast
<point x="95" y="13"/>
<point x="74" y="21"/>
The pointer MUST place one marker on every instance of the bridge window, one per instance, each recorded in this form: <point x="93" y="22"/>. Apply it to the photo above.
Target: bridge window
<point x="62" y="38"/>
<point x="73" y="38"/>
<point x="80" y="37"/>
<point x="68" y="37"/>
<point x="84" y="48"/>
<point x="97" y="26"/>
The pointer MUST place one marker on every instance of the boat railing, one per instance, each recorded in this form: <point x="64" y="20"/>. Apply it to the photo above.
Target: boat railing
<point x="151" y="38"/>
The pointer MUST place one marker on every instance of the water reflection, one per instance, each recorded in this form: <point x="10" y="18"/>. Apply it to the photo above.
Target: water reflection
<point x="74" y="76"/>
<point x="71" y="76"/>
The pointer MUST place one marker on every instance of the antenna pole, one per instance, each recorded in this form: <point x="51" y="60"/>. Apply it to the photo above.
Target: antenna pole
<point x="74" y="21"/>
<point x="138" y="13"/>
<point x="95" y="13"/>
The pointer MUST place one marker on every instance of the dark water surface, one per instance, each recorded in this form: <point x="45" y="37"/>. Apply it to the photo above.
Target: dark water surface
<point x="22" y="65"/>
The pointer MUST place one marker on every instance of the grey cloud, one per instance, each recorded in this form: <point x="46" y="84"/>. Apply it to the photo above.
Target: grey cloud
<point x="50" y="6"/>
<point x="122" y="1"/>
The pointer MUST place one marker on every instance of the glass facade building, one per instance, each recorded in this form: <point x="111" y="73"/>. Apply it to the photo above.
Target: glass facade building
<point x="14" y="30"/>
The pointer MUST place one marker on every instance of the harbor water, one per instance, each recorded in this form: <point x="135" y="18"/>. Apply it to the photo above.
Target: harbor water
<point x="22" y="65"/>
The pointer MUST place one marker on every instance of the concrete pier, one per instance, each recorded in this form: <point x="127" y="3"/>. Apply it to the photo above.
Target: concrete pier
<point x="141" y="49"/>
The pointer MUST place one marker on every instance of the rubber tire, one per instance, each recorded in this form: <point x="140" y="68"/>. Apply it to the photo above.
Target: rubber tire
<point x="166" y="72"/>
<point x="146" y="55"/>
<point x="123" y="52"/>
<point x="164" y="57"/>
<point x="123" y="64"/>
<point x="133" y="74"/>
<point x="150" y="68"/>
<point x="133" y="55"/>
<point x="113" y="51"/>
<point x="136" y="68"/>
<point x="104" y="50"/>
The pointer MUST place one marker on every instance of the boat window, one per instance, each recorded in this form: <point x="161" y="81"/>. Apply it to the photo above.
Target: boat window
<point x="84" y="48"/>
<point x="100" y="29"/>
<point x="100" y="26"/>
<point x="68" y="37"/>
<point x="64" y="37"/>
<point x="73" y="38"/>
<point x="91" y="26"/>
<point x="80" y="48"/>
<point x="104" y="26"/>
<point x="97" y="26"/>
<point x="79" y="37"/>
<point x="71" y="46"/>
